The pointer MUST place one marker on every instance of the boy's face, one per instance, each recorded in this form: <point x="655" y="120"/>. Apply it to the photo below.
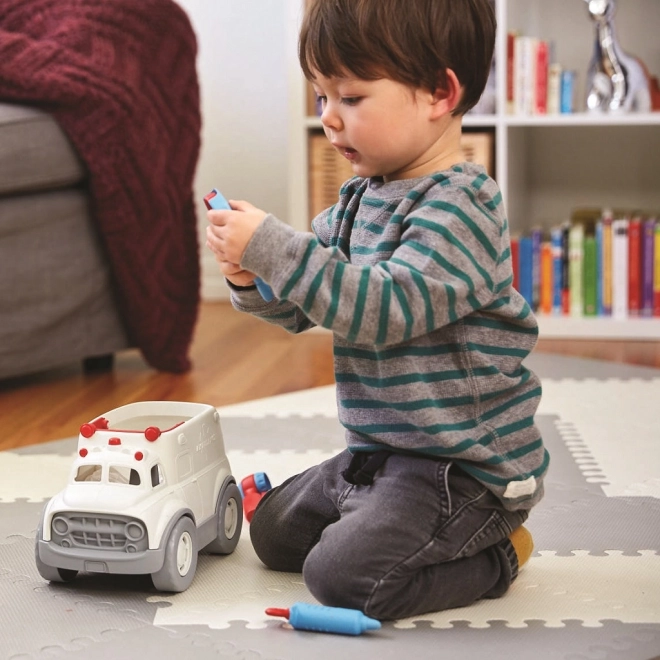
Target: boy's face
<point x="384" y="128"/>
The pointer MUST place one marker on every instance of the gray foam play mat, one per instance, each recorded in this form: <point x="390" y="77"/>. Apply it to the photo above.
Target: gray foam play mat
<point x="591" y="589"/>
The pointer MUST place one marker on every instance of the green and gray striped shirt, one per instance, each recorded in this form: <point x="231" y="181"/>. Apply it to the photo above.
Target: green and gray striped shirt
<point x="414" y="279"/>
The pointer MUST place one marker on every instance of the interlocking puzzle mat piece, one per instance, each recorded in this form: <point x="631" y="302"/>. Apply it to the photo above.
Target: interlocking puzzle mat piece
<point x="558" y="367"/>
<point x="49" y="620"/>
<point x="616" y="641"/>
<point x="615" y="446"/>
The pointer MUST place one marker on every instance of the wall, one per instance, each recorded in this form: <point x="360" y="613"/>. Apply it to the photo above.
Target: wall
<point x="242" y="64"/>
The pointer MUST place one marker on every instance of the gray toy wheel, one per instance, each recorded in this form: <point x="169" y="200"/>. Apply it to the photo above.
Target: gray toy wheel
<point x="180" y="561"/>
<point x="230" y="521"/>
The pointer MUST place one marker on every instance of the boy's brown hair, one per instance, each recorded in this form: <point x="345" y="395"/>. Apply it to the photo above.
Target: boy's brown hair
<point x="411" y="41"/>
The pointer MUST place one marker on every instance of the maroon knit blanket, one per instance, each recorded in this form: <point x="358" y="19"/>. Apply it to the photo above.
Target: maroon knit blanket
<point x="119" y="76"/>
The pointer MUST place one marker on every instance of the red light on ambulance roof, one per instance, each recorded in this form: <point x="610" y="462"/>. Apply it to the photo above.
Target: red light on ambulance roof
<point x="87" y="430"/>
<point x="139" y="455"/>
<point x="152" y="433"/>
<point x="114" y="442"/>
<point x="83" y="453"/>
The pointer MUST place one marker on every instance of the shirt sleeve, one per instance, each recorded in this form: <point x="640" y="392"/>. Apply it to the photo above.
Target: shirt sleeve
<point x="444" y="267"/>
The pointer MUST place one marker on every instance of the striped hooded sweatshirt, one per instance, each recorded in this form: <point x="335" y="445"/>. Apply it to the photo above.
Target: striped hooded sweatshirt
<point x="414" y="278"/>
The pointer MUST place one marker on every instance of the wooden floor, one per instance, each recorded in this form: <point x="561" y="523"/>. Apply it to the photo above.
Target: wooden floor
<point x="236" y="358"/>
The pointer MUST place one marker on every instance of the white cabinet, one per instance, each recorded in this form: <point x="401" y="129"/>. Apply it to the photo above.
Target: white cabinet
<point x="546" y="165"/>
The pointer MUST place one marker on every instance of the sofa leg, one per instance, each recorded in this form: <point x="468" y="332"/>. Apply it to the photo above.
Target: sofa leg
<point x="98" y="363"/>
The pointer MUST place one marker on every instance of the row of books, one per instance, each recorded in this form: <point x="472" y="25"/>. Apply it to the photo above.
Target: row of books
<point x="608" y="266"/>
<point x="536" y="84"/>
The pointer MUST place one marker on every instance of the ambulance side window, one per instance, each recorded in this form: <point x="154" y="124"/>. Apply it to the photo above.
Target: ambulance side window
<point x="157" y="476"/>
<point x="120" y="474"/>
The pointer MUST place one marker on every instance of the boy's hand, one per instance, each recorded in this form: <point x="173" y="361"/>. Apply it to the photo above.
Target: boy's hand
<point x="236" y="275"/>
<point x="229" y="232"/>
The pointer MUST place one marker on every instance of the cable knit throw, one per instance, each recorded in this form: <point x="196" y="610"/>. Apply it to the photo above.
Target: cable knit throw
<point x="119" y="76"/>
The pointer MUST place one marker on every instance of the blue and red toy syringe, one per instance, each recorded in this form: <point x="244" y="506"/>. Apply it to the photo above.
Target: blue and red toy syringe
<point x="319" y="618"/>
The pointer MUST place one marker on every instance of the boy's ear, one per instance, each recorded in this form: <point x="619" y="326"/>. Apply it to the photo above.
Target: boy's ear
<point x="448" y="96"/>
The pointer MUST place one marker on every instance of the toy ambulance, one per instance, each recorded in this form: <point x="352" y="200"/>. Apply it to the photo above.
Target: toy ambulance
<point x="151" y="487"/>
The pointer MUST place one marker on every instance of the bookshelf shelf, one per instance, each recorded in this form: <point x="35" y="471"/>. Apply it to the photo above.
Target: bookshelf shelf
<point x="546" y="165"/>
<point x="557" y="327"/>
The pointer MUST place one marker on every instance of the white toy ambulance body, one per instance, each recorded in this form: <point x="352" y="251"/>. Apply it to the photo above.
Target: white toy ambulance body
<point x="150" y="488"/>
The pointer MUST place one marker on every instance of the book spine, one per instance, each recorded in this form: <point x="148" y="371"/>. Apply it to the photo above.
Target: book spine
<point x="541" y="87"/>
<point x="590" y="275"/>
<point x="634" y="266"/>
<point x="510" y="72"/>
<point x="656" y="269"/>
<point x="525" y="74"/>
<point x="576" y="268"/>
<point x="598" y="235"/>
<point x="647" y="267"/>
<point x="546" y="277"/>
<point x="526" y="269"/>
<point x="515" y="261"/>
<point x="607" y="263"/>
<point x="620" y="268"/>
<point x="555" y="239"/>
<point x="536" y="235"/>
<point x="567" y="92"/>
<point x="565" y="285"/>
<point x="554" y="89"/>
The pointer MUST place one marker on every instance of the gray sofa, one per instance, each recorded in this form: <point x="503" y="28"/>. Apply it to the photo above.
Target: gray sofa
<point x="56" y="298"/>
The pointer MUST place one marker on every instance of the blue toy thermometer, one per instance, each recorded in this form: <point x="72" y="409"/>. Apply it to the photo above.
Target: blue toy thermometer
<point x="215" y="200"/>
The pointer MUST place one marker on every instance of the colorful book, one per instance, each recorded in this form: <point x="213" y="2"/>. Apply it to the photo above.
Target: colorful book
<point x="555" y="241"/>
<point x="598" y="235"/>
<point x="526" y="289"/>
<point x="656" y="269"/>
<point x="547" y="270"/>
<point x="567" y="92"/>
<point x="620" y="268"/>
<point x="590" y="276"/>
<point x="648" y="230"/>
<point x="576" y="268"/>
<point x="515" y="261"/>
<point x="541" y="78"/>
<point x="537" y="236"/>
<point x="554" y="89"/>
<point x="565" y="284"/>
<point x="606" y="258"/>
<point x="524" y="63"/>
<point x="634" y="266"/>
<point x="510" y="71"/>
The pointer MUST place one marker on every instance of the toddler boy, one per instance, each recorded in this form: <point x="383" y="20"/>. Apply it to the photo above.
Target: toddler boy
<point x="411" y="270"/>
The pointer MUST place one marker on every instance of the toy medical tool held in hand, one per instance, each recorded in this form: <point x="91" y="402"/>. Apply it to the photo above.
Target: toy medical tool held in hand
<point x="214" y="200"/>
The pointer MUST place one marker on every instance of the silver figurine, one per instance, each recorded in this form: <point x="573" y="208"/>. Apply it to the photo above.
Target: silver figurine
<point x="616" y="81"/>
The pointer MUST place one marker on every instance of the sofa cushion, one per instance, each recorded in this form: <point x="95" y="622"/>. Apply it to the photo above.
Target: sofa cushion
<point x="34" y="152"/>
<point x="56" y="299"/>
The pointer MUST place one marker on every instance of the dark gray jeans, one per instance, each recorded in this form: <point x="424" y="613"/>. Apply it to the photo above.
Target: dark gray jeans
<point x="423" y="536"/>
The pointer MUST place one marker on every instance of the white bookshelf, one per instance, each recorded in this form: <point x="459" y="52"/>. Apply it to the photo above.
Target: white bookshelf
<point x="546" y="165"/>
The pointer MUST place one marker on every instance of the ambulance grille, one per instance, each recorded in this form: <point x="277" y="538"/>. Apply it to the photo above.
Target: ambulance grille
<point x="99" y="531"/>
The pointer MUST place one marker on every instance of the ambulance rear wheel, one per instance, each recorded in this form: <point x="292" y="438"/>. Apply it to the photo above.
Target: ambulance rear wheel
<point x="230" y="521"/>
<point x="180" y="562"/>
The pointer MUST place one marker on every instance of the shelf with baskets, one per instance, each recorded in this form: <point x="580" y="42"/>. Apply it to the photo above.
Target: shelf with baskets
<point x="546" y="165"/>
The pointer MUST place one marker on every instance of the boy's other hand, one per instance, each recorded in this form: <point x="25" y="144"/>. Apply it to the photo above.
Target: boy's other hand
<point x="229" y="232"/>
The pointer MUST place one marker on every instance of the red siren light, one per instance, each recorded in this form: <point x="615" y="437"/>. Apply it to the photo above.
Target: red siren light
<point x="114" y="442"/>
<point x="152" y="433"/>
<point x="87" y="430"/>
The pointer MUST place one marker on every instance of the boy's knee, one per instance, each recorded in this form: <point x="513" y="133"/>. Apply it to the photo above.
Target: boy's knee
<point x="268" y="546"/>
<point x="335" y="582"/>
